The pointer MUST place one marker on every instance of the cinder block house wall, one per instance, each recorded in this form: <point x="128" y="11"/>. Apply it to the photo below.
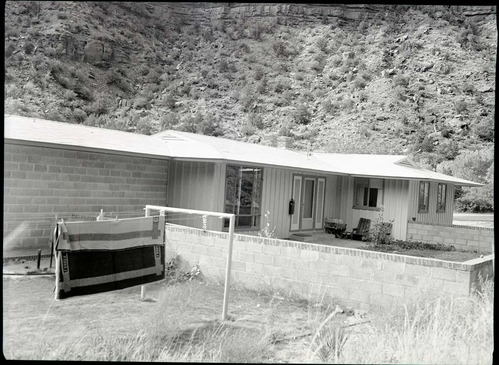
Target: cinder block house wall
<point x="41" y="182"/>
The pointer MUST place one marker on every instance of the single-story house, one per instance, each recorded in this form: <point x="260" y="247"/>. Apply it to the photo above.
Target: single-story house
<point x="68" y="170"/>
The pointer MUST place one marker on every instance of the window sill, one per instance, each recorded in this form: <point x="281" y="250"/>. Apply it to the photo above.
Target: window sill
<point x="376" y="209"/>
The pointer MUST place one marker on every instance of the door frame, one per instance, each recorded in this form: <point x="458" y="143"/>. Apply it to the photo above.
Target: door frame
<point x="299" y="206"/>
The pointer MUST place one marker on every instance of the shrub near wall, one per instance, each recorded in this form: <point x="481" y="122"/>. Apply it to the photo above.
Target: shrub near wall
<point x="358" y="278"/>
<point x="461" y="237"/>
<point x="42" y="182"/>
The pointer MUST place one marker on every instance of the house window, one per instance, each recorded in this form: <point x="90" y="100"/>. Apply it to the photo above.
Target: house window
<point x="441" y="197"/>
<point x="243" y="195"/>
<point x="424" y="195"/>
<point x="368" y="193"/>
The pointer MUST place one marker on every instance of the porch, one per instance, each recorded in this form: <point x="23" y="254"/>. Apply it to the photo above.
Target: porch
<point x="320" y="237"/>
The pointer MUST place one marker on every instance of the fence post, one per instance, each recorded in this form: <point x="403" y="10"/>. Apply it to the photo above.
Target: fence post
<point x="228" y="269"/>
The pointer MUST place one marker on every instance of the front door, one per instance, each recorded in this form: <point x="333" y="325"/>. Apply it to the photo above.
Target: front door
<point x="308" y="194"/>
<point x="308" y="203"/>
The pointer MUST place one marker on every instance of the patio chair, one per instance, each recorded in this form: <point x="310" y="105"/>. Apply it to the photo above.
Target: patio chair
<point x="361" y="231"/>
<point x="334" y="226"/>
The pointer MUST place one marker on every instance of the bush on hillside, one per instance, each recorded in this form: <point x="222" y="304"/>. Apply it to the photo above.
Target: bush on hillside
<point x="485" y="130"/>
<point x="169" y="120"/>
<point x="209" y="125"/>
<point x="256" y="120"/>
<point x="302" y="114"/>
<point x="476" y="166"/>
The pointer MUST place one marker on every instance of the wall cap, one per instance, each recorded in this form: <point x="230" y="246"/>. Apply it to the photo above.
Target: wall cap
<point x="423" y="261"/>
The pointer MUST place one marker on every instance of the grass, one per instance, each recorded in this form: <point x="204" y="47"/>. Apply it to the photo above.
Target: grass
<point x="167" y="335"/>
<point x="268" y="325"/>
<point x="431" y="330"/>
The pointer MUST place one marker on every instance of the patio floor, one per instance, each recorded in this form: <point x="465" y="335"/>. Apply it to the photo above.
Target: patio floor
<point x="325" y="239"/>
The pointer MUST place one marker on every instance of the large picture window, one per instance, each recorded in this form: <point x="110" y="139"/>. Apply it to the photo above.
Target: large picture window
<point x="368" y="193"/>
<point x="441" y="197"/>
<point x="243" y="195"/>
<point x="424" y="196"/>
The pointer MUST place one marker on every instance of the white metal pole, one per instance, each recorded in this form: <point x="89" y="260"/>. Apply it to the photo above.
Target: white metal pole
<point x="228" y="269"/>
<point x="57" y="275"/>
<point x="143" y="287"/>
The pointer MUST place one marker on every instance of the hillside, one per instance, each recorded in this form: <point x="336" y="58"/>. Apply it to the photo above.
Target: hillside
<point x="417" y="80"/>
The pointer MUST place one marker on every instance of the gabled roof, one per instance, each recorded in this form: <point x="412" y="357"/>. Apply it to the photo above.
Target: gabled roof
<point x="188" y="146"/>
<point x="387" y="166"/>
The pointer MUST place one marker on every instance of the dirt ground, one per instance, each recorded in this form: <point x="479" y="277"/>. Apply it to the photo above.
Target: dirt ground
<point x="33" y="318"/>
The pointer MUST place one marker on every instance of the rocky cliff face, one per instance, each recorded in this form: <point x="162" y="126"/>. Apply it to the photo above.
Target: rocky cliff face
<point x="354" y="74"/>
<point x="95" y="47"/>
<point x="296" y="12"/>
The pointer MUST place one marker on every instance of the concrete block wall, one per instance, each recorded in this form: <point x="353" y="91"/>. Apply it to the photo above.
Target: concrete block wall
<point x="461" y="237"/>
<point x="357" y="278"/>
<point x="41" y="182"/>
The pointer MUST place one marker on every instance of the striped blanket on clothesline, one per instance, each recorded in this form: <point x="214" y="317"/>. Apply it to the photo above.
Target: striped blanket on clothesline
<point x="98" y="256"/>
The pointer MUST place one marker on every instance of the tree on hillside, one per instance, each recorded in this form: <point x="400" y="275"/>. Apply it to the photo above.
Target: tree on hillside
<point x="476" y="166"/>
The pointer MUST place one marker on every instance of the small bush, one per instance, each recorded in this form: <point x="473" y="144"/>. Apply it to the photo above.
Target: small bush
<point x="460" y="106"/>
<point x="142" y="102"/>
<point x="400" y="80"/>
<point x="169" y="101"/>
<point x="328" y="106"/>
<point x="280" y="49"/>
<point x="468" y="88"/>
<point x="144" y="126"/>
<point x="83" y="92"/>
<point x="336" y="60"/>
<point x="224" y="66"/>
<point x="79" y="115"/>
<point x="169" y="120"/>
<point x="258" y="73"/>
<point x="485" y="130"/>
<point x="379" y="230"/>
<point x="256" y="120"/>
<point x="209" y="126"/>
<point x="70" y="95"/>
<point x="248" y="129"/>
<point x="321" y="43"/>
<point x="28" y="48"/>
<point x="281" y="84"/>
<point x="400" y="93"/>
<point x="302" y="115"/>
<point x="359" y="82"/>
<point x="285" y="130"/>
<point x="114" y="78"/>
<point x="98" y="107"/>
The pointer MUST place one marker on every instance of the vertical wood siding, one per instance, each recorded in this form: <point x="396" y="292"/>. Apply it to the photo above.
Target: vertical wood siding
<point x="194" y="185"/>
<point x="396" y="206"/>
<point x="395" y="202"/>
<point x="444" y="218"/>
<point x="276" y="194"/>
<point x="332" y="199"/>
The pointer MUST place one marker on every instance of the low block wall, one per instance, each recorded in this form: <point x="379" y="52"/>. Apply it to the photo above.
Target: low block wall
<point x="357" y="278"/>
<point x="461" y="237"/>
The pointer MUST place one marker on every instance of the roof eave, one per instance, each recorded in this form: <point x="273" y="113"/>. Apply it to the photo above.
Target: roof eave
<point x="25" y="142"/>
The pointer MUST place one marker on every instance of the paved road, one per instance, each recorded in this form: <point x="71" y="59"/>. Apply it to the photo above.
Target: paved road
<point x="484" y="217"/>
